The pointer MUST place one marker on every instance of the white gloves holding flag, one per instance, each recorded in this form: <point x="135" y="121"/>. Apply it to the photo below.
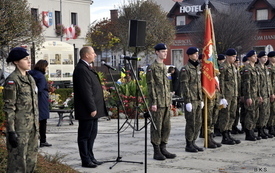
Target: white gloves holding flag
<point x="224" y="103"/>
<point x="202" y="105"/>
<point x="189" y="107"/>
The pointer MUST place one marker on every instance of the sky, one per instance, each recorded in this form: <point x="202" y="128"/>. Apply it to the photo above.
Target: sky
<point x="101" y="8"/>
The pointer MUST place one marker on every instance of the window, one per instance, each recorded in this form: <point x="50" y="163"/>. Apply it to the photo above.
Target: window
<point x="262" y="14"/>
<point x="57" y="18"/>
<point x="180" y="20"/>
<point x="74" y="18"/>
<point x="177" y="58"/>
<point x="34" y="12"/>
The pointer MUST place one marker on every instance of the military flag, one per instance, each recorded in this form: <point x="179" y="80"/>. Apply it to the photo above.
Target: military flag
<point x="209" y="63"/>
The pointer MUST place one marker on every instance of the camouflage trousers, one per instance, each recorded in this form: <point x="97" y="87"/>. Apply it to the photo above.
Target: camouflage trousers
<point x="227" y="115"/>
<point x="23" y="159"/>
<point x="193" y="121"/>
<point x="213" y="114"/>
<point x="271" y="121"/>
<point x="264" y="112"/>
<point x="162" y="121"/>
<point x="252" y="114"/>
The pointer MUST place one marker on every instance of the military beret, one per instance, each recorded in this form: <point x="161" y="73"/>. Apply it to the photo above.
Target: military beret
<point x="271" y="54"/>
<point x="160" y="46"/>
<point x="244" y="59"/>
<point x="192" y="50"/>
<point x="261" y="54"/>
<point x="231" y="52"/>
<point x="251" y="53"/>
<point x="221" y="57"/>
<point x="16" y="54"/>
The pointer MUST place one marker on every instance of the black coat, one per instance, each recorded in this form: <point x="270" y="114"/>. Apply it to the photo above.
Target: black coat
<point x="43" y="94"/>
<point x="88" y="93"/>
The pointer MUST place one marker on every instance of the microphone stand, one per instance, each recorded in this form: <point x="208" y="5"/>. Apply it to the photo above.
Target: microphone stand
<point x="147" y="115"/>
<point x="119" y="158"/>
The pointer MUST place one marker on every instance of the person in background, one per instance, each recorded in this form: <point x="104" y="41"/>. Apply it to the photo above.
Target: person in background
<point x="271" y="69"/>
<point x="221" y="59"/>
<point x="89" y="105"/>
<point x="159" y="98"/>
<point x="38" y="73"/>
<point x="21" y="111"/>
<point x="190" y="82"/>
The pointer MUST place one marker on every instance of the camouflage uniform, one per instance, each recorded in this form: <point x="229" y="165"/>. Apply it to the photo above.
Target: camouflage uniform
<point x="229" y="90"/>
<point x="250" y="90"/>
<point x="265" y="92"/>
<point x="271" y="121"/>
<point x="20" y="107"/>
<point x="190" y="82"/>
<point x="159" y="94"/>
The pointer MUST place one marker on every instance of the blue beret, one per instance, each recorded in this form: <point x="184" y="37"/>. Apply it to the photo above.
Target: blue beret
<point x="251" y="53"/>
<point x="245" y="58"/>
<point x="16" y="54"/>
<point x="192" y="50"/>
<point x="160" y="46"/>
<point x="221" y="57"/>
<point x="271" y="54"/>
<point x="231" y="52"/>
<point x="261" y="54"/>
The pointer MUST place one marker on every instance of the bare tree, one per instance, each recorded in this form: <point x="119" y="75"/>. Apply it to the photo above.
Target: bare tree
<point x="234" y="28"/>
<point x="18" y="25"/>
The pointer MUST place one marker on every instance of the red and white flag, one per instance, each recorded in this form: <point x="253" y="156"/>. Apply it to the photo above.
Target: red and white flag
<point x="70" y="32"/>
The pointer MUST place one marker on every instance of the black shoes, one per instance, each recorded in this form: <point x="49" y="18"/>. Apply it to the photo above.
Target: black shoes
<point x="89" y="165"/>
<point x="45" y="144"/>
<point x="96" y="162"/>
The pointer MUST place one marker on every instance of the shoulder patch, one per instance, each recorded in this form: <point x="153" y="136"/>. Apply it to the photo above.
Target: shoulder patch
<point x="246" y="71"/>
<point x="10" y="82"/>
<point x="221" y="68"/>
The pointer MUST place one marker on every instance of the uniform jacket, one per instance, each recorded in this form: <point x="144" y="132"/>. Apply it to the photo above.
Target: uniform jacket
<point x="158" y="85"/>
<point x="88" y="93"/>
<point x="250" y="81"/>
<point x="271" y="69"/>
<point x="190" y="82"/>
<point x="20" y="102"/>
<point x="228" y="80"/>
<point x="264" y="78"/>
<point x="43" y="94"/>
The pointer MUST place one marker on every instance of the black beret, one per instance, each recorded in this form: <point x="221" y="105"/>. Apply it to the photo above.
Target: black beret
<point x="231" y="52"/>
<point x="245" y="58"/>
<point x="221" y="57"/>
<point x="261" y="54"/>
<point x="192" y="50"/>
<point x="160" y="46"/>
<point x="271" y="54"/>
<point x="251" y="53"/>
<point x="16" y="54"/>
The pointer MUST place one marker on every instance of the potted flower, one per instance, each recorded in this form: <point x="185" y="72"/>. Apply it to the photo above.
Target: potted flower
<point x="59" y="30"/>
<point x="77" y="31"/>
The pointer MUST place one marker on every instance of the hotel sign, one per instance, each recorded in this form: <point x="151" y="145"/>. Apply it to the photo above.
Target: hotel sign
<point x="188" y="9"/>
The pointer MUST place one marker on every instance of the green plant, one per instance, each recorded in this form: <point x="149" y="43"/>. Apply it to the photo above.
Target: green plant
<point x="64" y="93"/>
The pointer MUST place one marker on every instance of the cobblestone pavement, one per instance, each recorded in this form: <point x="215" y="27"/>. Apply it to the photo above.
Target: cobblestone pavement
<point x="246" y="157"/>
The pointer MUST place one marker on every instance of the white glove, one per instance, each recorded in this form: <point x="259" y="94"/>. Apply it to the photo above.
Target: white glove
<point x="224" y="103"/>
<point x="189" y="107"/>
<point x="202" y="105"/>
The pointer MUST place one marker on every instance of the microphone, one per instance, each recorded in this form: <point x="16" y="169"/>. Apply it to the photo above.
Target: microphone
<point x="104" y="63"/>
<point x="130" y="58"/>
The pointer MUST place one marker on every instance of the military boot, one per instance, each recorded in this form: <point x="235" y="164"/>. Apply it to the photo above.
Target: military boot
<point x="261" y="133"/>
<point x="271" y="130"/>
<point x="249" y="136"/>
<point x="226" y="140"/>
<point x="268" y="135"/>
<point x="211" y="137"/>
<point x="235" y="130"/>
<point x="230" y="137"/>
<point x="165" y="152"/>
<point x="211" y="144"/>
<point x="189" y="147"/>
<point x="217" y="132"/>
<point x="195" y="146"/>
<point x="157" y="154"/>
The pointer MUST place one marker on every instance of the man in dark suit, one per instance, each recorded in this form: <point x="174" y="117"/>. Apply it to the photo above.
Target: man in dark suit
<point x="89" y="105"/>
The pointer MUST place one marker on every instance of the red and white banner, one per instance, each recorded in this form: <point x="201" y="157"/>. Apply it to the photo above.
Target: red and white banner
<point x="70" y="33"/>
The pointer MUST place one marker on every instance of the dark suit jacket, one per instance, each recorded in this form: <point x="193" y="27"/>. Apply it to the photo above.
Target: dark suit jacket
<point x="88" y="93"/>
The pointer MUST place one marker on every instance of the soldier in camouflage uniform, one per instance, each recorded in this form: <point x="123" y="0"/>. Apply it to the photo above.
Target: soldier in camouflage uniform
<point x="190" y="82"/>
<point x="160" y="102"/>
<point x="21" y="111"/>
<point x="229" y="91"/>
<point x="271" y="68"/>
<point x="265" y="92"/>
<point x="252" y="98"/>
